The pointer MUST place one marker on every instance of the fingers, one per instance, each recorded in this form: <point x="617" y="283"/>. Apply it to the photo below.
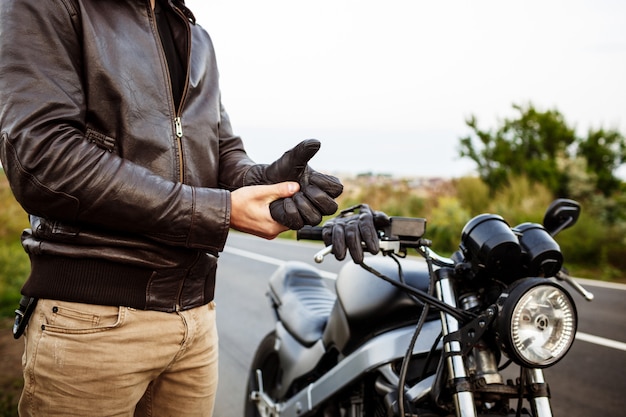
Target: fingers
<point x="283" y="208"/>
<point x="302" y="208"/>
<point x="285" y="189"/>
<point x="330" y="184"/>
<point x="367" y="231"/>
<point x="304" y="151"/>
<point x="310" y="214"/>
<point x="339" y="241"/>
<point x="333" y="233"/>
<point x="293" y="209"/>
<point x="327" y="232"/>
<point x="352" y="233"/>
<point x="285" y="212"/>
<point x="353" y="240"/>
<point x="320" y="200"/>
<point x="293" y="163"/>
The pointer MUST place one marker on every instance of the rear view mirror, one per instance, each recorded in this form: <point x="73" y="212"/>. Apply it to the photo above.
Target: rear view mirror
<point x="561" y="214"/>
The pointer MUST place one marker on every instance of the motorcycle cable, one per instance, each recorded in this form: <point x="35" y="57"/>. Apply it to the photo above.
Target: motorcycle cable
<point x="426" y="298"/>
<point x="520" y="398"/>
<point x="401" y="277"/>
<point x="407" y="358"/>
<point x="418" y="329"/>
<point x="431" y="353"/>
<point x="505" y="365"/>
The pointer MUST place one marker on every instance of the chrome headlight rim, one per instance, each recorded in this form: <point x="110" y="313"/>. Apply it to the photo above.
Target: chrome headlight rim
<point x="514" y="302"/>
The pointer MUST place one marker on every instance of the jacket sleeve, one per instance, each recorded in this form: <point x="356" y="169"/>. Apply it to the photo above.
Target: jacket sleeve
<point x="53" y="170"/>
<point x="234" y="161"/>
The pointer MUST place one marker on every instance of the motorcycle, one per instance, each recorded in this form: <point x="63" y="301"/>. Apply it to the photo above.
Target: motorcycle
<point x="424" y="336"/>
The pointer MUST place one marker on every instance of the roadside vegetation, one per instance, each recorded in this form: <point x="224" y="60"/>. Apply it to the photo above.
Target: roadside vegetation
<point x="14" y="264"/>
<point x="523" y="164"/>
<point x="14" y="267"/>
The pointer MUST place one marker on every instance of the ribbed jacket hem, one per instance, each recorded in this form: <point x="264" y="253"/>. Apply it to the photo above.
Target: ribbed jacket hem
<point x="91" y="281"/>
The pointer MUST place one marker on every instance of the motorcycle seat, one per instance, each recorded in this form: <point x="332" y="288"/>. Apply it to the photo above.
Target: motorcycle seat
<point x="302" y="299"/>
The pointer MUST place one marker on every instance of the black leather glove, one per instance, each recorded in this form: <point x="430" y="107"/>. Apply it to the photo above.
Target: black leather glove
<point x="352" y="230"/>
<point x="317" y="191"/>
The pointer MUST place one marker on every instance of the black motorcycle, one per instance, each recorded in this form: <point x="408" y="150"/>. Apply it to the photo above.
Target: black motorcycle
<point x="421" y="336"/>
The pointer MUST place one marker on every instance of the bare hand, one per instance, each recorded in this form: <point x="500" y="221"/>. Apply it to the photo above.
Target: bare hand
<point x="250" y="212"/>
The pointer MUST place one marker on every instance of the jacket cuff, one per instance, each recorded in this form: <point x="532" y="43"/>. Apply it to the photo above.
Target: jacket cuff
<point x="210" y="220"/>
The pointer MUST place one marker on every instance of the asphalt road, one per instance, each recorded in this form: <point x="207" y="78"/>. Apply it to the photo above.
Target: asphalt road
<point x="589" y="382"/>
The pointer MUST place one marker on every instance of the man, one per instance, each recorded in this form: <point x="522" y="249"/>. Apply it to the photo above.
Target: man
<point x="114" y="140"/>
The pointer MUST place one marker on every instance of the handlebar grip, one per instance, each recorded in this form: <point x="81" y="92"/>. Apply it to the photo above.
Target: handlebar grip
<point x="309" y="233"/>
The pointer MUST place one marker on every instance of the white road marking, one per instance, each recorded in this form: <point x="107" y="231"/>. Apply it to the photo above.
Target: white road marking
<point x="268" y="259"/>
<point x="597" y="340"/>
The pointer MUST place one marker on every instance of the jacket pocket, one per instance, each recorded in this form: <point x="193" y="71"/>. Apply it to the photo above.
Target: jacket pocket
<point x="53" y="230"/>
<point x="101" y="140"/>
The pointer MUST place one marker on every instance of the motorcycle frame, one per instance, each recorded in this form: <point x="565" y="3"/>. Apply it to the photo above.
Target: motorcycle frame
<point x="377" y="352"/>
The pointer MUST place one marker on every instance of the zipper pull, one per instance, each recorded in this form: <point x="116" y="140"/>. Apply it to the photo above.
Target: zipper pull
<point x="179" y="127"/>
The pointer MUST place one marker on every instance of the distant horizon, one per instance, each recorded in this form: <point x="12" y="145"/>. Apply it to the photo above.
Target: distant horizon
<point x="388" y="86"/>
<point x="399" y="153"/>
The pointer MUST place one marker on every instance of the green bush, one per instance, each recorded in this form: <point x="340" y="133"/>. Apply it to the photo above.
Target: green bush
<point x="521" y="201"/>
<point x="593" y="248"/>
<point x="473" y="194"/>
<point x="14" y="263"/>
<point x="14" y="268"/>
<point x="446" y="223"/>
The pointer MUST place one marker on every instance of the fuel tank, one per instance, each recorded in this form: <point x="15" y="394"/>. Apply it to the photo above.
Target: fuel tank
<point x="367" y="305"/>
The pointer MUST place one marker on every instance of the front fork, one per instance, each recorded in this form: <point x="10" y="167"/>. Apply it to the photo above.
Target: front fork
<point x="540" y="405"/>
<point x="458" y="376"/>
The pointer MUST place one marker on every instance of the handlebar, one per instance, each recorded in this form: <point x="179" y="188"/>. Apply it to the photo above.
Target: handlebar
<point x="396" y="235"/>
<point x="310" y="233"/>
<point x="408" y="230"/>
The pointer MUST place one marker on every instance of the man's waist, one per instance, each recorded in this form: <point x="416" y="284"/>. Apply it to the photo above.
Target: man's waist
<point x="101" y="281"/>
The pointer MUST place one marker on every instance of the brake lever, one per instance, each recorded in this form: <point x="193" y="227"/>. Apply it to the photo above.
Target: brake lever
<point x="319" y="256"/>
<point x="386" y="246"/>
<point x="579" y="288"/>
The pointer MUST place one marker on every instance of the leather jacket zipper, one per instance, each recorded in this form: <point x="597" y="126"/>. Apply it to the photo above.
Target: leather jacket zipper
<point x="178" y="125"/>
<point x="177" y="122"/>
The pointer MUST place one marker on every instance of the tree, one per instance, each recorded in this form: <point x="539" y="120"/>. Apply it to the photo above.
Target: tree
<point x="535" y="144"/>
<point x="605" y="152"/>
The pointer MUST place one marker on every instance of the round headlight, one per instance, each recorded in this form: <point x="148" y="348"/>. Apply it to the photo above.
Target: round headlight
<point x="537" y="322"/>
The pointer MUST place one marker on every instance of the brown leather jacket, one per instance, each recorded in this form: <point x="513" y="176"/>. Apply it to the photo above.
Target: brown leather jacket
<point x="128" y="196"/>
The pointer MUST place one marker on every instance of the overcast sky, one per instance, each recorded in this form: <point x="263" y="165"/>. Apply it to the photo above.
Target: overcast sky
<point x="386" y="86"/>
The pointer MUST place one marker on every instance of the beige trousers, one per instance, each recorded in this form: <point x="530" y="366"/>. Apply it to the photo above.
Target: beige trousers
<point x="91" y="360"/>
